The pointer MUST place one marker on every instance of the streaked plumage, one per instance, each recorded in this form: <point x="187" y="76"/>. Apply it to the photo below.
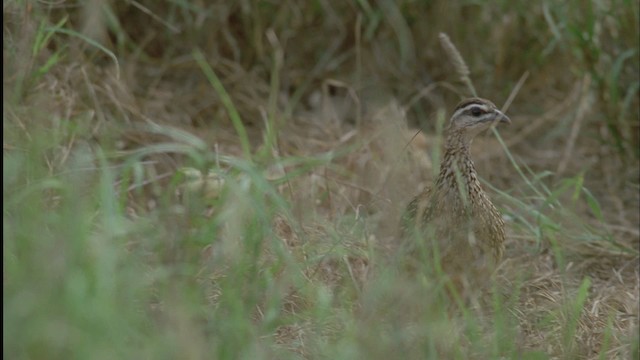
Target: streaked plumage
<point x="455" y="214"/>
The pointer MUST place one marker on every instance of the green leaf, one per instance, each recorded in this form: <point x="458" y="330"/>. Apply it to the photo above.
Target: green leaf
<point x="593" y="203"/>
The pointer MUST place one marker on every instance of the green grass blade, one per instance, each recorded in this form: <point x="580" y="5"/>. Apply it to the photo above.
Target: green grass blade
<point x="226" y="101"/>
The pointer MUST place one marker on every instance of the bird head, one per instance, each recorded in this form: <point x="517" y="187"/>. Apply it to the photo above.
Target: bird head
<point x="474" y="115"/>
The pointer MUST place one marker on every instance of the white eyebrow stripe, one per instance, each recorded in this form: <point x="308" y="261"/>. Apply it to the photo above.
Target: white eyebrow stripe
<point x="484" y="108"/>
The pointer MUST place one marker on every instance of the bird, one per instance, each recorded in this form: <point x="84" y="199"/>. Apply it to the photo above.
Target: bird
<point x="455" y="219"/>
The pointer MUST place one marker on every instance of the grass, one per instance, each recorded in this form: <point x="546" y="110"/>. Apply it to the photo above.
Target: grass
<point x="226" y="181"/>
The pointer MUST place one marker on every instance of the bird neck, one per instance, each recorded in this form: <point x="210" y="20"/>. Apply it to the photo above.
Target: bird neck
<point x="456" y="166"/>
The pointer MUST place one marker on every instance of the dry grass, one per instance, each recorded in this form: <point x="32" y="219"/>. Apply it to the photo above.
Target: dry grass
<point x="307" y="116"/>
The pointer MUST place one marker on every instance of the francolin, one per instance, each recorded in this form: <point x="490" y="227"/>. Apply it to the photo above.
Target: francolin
<point x="454" y="219"/>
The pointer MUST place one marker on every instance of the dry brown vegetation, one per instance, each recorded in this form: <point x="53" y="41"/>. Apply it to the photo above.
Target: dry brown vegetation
<point x="306" y="113"/>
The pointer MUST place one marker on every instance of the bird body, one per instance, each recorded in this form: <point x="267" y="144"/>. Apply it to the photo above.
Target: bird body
<point x="456" y="214"/>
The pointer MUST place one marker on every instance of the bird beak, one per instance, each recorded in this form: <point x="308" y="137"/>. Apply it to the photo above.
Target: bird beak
<point x="502" y="118"/>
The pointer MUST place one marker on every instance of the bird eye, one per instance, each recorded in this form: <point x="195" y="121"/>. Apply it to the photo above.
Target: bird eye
<point x="476" y="112"/>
